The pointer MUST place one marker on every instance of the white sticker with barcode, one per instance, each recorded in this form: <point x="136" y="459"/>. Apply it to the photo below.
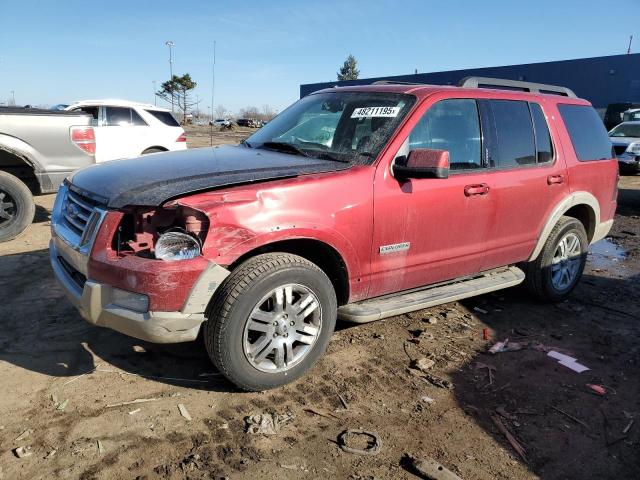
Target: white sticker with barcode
<point x="364" y="112"/>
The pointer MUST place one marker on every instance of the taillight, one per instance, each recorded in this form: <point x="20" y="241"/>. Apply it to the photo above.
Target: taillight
<point x="182" y="138"/>
<point x="84" y="138"/>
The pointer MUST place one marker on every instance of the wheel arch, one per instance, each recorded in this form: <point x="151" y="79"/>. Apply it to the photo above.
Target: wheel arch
<point x="582" y="206"/>
<point x="325" y="256"/>
<point x="155" y="147"/>
<point x="20" y="166"/>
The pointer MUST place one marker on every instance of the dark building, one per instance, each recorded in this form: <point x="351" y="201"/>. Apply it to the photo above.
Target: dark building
<point x="601" y="80"/>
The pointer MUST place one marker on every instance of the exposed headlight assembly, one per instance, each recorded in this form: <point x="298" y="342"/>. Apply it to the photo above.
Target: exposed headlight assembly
<point x="172" y="246"/>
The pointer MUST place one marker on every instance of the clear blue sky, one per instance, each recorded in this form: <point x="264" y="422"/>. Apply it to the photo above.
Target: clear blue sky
<point x="62" y="50"/>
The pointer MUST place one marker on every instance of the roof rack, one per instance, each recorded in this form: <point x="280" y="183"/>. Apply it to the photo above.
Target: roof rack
<point x="486" y="82"/>
<point x="394" y="82"/>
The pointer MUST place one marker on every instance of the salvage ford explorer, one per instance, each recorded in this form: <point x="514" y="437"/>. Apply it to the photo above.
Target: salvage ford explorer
<point x="357" y="203"/>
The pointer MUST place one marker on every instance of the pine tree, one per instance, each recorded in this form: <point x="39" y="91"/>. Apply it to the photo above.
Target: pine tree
<point x="349" y="69"/>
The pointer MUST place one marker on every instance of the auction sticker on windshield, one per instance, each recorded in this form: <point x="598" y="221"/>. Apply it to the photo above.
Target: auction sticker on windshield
<point x="364" y="112"/>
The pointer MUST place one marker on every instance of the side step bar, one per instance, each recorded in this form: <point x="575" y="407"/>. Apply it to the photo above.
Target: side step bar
<point x="397" y="304"/>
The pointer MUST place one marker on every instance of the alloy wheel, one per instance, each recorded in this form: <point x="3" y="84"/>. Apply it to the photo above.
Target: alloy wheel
<point x="566" y="262"/>
<point x="282" y="328"/>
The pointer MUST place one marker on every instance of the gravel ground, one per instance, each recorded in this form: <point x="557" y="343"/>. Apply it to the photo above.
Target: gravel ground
<point x="60" y="375"/>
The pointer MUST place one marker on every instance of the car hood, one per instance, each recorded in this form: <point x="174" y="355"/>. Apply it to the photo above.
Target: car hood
<point x="153" y="179"/>
<point x="624" y="140"/>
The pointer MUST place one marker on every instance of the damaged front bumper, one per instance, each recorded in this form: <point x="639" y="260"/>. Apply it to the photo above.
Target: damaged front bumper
<point x="103" y="304"/>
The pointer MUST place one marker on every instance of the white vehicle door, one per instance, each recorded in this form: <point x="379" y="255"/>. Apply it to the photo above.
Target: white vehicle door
<point x="120" y="134"/>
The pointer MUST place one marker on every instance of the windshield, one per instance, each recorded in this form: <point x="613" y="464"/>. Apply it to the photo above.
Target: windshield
<point x="626" y="130"/>
<point x="343" y="126"/>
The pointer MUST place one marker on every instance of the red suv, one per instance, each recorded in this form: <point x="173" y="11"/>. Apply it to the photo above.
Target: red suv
<point x="357" y="203"/>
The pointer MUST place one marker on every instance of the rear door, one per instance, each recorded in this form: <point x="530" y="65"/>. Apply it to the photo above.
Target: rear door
<point x="527" y="177"/>
<point x="121" y="134"/>
<point x="430" y="230"/>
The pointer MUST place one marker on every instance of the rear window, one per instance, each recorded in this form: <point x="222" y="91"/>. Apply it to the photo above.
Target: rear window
<point x="543" y="137"/>
<point x="164" y="117"/>
<point x="588" y="135"/>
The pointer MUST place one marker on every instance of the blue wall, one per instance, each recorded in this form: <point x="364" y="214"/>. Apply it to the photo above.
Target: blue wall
<point x="601" y="80"/>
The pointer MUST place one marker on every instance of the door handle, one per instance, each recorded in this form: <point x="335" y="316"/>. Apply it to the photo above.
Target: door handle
<point x="476" y="189"/>
<point x="555" y="179"/>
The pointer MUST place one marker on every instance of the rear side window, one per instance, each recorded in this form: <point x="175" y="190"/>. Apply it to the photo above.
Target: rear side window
<point x="451" y="125"/>
<point x="118" y="116"/>
<point x="136" y="119"/>
<point x="164" y="117"/>
<point x="515" y="144"/>
<point x="586" y="130"/>
<point x="543" y="137"/>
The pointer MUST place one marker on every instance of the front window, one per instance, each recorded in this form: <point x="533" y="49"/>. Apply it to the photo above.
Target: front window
<point x="343" y="126"/>
<point x="626" y="130"/>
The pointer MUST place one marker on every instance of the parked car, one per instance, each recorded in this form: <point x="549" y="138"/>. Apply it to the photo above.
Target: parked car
<point x="422" y="195"/>
<point x="126" y="129"/>
<point x="626" y="144"/>
<point x="38" y="149"/>
<point x="222" y="122"/>
<point x="614" y="113"/>
<point x="247" y="122"/>
<point x="631" y="115"/>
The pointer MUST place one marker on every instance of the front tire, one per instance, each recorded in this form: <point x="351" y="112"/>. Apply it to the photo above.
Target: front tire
<point x="555" y="273"/>
<point x="270" y="321"/>
<point x="17" y="208"/>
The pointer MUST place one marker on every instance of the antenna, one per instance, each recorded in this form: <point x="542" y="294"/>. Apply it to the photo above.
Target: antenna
<point x="213" y="91"/>
<point x="630" y="41"/>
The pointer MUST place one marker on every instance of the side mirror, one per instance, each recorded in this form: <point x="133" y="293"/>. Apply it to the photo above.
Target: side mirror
<point x="422" y="163"/>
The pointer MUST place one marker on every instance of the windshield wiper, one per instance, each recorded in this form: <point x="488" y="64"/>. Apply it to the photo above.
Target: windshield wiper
<point x="244" y="143"/>
<point x="284" y="147"/>
<point x="328" y="156"/>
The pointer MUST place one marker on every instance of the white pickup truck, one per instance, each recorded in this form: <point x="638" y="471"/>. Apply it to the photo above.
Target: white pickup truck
<point x="38" y="150"/>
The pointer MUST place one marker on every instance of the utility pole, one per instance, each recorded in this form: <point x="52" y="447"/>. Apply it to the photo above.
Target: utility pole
<point x="213" y="90"/>
<point x="170" y="44"/>
<point x="155" y="95"/>
<point x="630" y="41"/>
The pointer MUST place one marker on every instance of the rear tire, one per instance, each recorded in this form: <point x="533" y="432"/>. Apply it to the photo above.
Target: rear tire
<point x="554" y="274"/>
<point x="17" y="208"/>
<point x="270" y="321"/>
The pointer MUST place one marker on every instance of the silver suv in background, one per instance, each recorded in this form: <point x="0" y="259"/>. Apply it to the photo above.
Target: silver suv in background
<point x="38" y="150"/>
<point x="626" y="143"/>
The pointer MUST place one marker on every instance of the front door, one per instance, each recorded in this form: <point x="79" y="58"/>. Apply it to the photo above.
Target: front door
<point x="431" y="230"/>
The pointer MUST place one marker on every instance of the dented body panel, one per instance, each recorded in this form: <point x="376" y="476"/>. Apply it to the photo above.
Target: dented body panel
<point x="389" y="235"/>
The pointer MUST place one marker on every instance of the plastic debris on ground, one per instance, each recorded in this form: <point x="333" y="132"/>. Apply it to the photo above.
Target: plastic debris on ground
<point x="432" y="470"/>
<point x="22" y="452"/>
<point x="184" y="412"/>
<point x="599" y="389"/>
<point x="568" y="361"/>
<point x="506" y="346"/>
<point x="267" y="423"/>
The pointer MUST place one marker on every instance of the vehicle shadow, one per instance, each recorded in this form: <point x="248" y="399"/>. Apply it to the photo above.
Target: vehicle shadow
<point x="43" y="332"/>
<point x="566" y="429"/>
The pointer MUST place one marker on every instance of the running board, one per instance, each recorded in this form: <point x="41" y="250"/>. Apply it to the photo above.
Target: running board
<point x="397" y="304"/>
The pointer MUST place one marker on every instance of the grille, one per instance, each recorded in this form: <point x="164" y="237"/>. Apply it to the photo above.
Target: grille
<point x="620" y="149"/>
<point x="76" y="212"/>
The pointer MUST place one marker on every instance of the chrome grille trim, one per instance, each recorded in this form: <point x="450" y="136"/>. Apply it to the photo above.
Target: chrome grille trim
<point x="76" y="219"/>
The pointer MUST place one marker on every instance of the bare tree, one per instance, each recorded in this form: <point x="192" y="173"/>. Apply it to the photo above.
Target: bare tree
<point x="221" y="111"/>
<point x="267" y="113"/>
<point x="249" y="112"/>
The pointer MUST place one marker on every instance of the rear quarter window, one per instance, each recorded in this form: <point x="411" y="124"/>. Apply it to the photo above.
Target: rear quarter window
<point x="164" y="117"/>
<point x="588" y="135"/>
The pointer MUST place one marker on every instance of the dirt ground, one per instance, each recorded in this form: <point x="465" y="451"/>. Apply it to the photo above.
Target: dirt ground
<point x="60" y="376"/>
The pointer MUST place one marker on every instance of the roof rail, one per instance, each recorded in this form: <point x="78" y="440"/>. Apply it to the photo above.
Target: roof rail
<point x="486" y="82"/>
<point x="394" y="82"/>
